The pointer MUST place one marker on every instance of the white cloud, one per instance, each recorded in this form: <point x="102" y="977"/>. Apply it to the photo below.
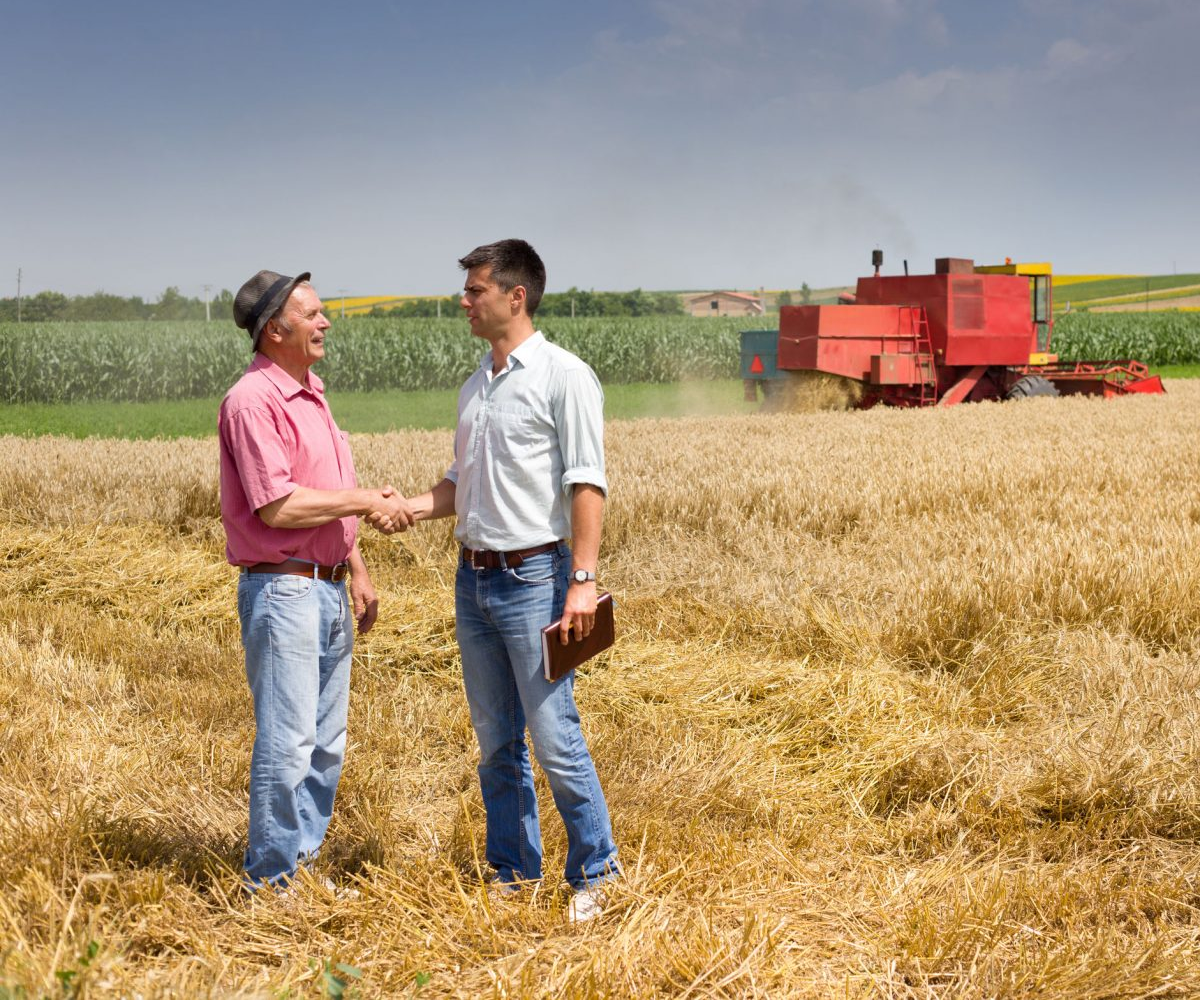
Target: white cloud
<point x="1066" y="53"/>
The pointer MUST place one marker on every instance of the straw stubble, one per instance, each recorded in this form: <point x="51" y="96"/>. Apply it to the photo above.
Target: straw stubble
<point x="904" y="704"/>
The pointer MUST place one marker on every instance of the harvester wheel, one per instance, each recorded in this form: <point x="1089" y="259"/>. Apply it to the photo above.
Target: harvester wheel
<point x="1028" y="386"/>
<point x="810" y="392"/>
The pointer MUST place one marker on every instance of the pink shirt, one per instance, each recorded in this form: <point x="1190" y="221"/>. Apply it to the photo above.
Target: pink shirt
<point x="277" y="434"/>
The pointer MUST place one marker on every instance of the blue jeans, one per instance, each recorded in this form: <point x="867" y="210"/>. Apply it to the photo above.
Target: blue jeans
<point x="298" y="635"/>
<point x="500" y="614"/>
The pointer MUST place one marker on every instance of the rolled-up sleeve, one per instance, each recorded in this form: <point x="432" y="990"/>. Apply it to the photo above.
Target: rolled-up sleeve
<point x="452" y="472"/>
<point x="579" y="416"/>
<point x="263" y="463"/>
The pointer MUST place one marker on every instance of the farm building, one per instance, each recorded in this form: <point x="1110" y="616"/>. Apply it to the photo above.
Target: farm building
<point x="723" y="304"/>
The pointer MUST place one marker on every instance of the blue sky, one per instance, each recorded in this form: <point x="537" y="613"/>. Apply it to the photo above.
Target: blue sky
<point x="668" y="144"/>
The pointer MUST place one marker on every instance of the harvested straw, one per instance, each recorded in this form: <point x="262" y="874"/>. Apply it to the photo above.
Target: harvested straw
<point x="812" y="392"/>
<point x="904" y="705"/>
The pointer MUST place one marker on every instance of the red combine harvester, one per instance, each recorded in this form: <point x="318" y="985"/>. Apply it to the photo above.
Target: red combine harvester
<point x="961" y="334"/>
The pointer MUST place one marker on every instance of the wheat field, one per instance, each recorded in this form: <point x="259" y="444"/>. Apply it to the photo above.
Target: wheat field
<point x="904" y="704"/>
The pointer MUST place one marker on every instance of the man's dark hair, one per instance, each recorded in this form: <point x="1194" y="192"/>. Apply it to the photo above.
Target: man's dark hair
<point x="513" y="262"/>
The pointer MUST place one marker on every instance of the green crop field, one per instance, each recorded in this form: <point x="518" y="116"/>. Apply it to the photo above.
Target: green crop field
<point x="1080" y="293"/>
<point x="1157" y="338"/>
<point x="145" y="361"/>
<point x="140" y="361"/>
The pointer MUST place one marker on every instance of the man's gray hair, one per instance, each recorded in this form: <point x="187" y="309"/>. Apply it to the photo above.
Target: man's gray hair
<point x="278" y="317"/>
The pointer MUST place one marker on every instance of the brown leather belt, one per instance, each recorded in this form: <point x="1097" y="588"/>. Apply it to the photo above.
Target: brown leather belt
<point x="485" y="559"/>
<point x="298" y="567"/>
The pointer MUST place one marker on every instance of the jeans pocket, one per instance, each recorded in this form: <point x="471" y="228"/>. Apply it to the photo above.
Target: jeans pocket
<point x="288" y="587"/>
<point x="539" y="570"/>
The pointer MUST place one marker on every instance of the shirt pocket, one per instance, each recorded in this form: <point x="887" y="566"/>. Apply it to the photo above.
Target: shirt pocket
<point x="515" y="431"/>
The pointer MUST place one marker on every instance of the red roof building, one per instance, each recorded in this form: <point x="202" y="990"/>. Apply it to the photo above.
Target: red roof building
<point x="723" y="304"/>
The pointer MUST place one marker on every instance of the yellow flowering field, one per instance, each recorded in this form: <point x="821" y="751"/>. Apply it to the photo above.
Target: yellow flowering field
<point x="359" y="305"/>
<point x="1075" y="279"/>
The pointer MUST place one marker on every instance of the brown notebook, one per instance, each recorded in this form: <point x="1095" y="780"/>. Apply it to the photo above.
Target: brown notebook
<point x="559" y="660"/>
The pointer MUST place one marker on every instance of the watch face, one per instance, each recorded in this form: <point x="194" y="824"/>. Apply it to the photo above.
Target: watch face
<point x="582" y="576"/>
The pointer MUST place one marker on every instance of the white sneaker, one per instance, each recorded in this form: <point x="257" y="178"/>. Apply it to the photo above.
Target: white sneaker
<point x="585" y="904"/>
<point x="499" y="891"/>
<point x="294" y="889"/>
<point x="342" y="893"/>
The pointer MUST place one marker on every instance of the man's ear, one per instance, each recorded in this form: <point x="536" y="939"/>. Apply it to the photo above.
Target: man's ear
<point x="516" y="298"/>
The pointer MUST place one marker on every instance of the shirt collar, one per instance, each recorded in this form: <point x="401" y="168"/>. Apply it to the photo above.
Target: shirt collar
<point x="288" y="387"/>
<point x="522" y="353"/>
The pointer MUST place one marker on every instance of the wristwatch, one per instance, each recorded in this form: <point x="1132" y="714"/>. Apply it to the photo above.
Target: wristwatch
<point x="582" y="576"/>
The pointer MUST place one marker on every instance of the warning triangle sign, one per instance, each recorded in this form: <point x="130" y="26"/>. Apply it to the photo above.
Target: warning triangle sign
<point x="756" y="366"/>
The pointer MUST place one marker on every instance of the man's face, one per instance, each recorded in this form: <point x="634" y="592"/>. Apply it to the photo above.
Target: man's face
<point x="489" y="308"/>
<point x="302" y="332"/>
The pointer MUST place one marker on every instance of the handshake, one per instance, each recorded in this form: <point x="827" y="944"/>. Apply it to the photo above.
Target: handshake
<point x="389" y="511"/>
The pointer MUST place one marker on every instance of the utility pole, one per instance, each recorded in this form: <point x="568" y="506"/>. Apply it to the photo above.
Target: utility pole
<point x="207" y="312"/>
<point x="18" y="295"/>
<point x="342" y="293"/>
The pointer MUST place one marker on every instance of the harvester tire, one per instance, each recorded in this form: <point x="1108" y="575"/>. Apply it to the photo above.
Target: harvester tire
<point x="1029" y="386"/>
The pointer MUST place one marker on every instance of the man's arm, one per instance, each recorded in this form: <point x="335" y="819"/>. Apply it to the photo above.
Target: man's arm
<point x="587" y="520"/>
<point x="362" y="592"/>
<point x="308" y="508"/>
<point x="436" y="502"/>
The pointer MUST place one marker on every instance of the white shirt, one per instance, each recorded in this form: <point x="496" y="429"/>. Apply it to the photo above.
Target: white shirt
<point x="525" y="437"/>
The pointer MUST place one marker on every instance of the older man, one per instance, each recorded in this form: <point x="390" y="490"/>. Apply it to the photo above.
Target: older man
<point x="528" y="472"/>
<point x="290" y="505"/>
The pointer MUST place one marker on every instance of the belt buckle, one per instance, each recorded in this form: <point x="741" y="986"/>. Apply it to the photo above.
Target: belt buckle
<point x="338" y="573"/>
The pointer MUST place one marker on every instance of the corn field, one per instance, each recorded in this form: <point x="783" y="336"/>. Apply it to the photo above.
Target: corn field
<point x="70" y="362"/>
<point x="904" y="704"/>
<point x="1157" y="338"/>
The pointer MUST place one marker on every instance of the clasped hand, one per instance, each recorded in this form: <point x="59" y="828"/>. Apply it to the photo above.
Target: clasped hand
<point x="391" y="512"/>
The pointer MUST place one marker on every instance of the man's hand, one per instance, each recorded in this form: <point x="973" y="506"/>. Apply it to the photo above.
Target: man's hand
<point x="391" y="513"/>
<point x="579" y="612"/>
<point x="362" y="594"/>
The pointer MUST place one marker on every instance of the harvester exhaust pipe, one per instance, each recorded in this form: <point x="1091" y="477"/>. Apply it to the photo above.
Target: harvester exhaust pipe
<point x="906" y="269"/>
<point x="877" y="260"/>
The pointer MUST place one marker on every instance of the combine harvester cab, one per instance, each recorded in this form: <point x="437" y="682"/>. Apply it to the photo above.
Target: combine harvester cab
<point x="961" y="334"/>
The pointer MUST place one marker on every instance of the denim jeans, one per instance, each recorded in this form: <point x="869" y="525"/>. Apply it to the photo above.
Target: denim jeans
<point x="298" y="637"/>
<point x="500" y="614"/>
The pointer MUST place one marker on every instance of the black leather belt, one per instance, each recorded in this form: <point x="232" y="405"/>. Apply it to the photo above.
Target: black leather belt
<point x="485" y="559"/>
<point x="298" y="567"/>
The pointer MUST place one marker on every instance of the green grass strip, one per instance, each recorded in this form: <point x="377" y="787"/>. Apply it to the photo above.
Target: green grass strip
<point x="357" y="412"/>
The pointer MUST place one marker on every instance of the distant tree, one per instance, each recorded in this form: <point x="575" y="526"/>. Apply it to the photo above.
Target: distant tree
<point x="784" y="298"/>
<point x="222" y="306"/>
<point x="805" y="293"/>
<point x="44" y="307"/>
<point x="172" y="305"/>
<point x="583" y="302"/>
<point x="102" y="306"/>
